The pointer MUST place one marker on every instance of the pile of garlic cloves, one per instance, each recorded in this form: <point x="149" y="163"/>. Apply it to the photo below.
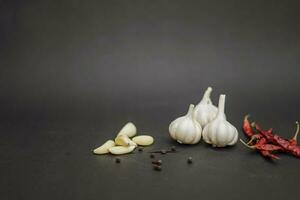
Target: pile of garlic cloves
<point x="125" y="141"/>
<point x="207" y="121"/>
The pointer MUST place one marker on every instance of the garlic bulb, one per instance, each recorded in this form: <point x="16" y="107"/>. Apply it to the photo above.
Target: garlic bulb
<point x="205" y="111"/>
<point x="220" y="132"/>
<point x="185" y="129"/>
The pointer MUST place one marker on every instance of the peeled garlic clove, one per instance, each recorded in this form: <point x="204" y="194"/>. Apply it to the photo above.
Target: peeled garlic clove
<point x="185" y="129"/>
<point x="129" y="129"/>
<point x="205" y="111"/>
<point x="143" y="140"/>
<point x="103" y="149"/>
<point x="118" y="150"/>
<point x="219" y="132"/>
<point x="124" y="140"/>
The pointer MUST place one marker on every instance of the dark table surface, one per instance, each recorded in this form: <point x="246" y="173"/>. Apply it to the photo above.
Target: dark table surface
<point x="73" y="72"/>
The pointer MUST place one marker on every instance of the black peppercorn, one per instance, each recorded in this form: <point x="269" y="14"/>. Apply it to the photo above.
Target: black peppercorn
<point x="173" y="148"/>
<point x="157" y="167"/>
<point x="152" y="155"/>
<point x="157" y="162"/>
<point x="140" y="149"/>
<point x="190" y="160"/>
<point x="118" y="160"/>
<point x="163" y="151"/>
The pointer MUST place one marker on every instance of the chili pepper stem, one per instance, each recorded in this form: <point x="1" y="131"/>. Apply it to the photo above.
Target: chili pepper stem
<point x="246" y="117"/>
<point x="297" y="132"/>
<point x="251" y="147"/>
<point x="251" y="140"/>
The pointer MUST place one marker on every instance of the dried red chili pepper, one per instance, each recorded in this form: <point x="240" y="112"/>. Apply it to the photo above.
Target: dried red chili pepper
<point x="263" y="146"/>
<point x="287" y="145"/>
<point x="266" y="142"/>
<point x="249" y="132"/>
<point x="256" y="136"/>
<point x="293" y="149"/>
<point x="267" y="134"/>
<point x="265" y="153"/>
<point x="247" y="127"/>
<point x="262" y="141"/>
<point x="269" y="155"/>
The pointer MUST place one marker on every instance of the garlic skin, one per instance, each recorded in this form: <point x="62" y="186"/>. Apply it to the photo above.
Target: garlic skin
<point x="219" y="132"/>
<point x="205" y="111"/>
<point x="185" y="129"/>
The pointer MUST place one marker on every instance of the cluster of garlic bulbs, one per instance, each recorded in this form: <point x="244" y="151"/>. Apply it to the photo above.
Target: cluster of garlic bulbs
<point x="205" y="120"/>
<point x="124" y="143"/>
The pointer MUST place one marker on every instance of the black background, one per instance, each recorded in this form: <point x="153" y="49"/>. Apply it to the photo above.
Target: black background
<point x="73" y="72"/>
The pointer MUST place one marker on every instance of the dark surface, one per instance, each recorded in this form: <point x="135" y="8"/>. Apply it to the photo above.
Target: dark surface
<point x="73" y="72"/>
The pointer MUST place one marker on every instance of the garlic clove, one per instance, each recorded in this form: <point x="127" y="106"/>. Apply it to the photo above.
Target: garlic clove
<point x="143" y="140"/>
<point x="235" y="135"/>
<point x="185" y="129"/>
<point x="129" y="129"/>
<point x="205" y="136"/>
<point x="103" y="149"/>
<point x="119" y="150"/>
<point x="198" y="136"/>
<point x="124" y="140"/>
<point x="173" y="127"/>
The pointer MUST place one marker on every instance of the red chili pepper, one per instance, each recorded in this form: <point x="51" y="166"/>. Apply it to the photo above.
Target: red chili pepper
<point x="256" y="136"/>
<point x="265" y="153"/>
<point x="293" y="149"/>
<point x="267" y="134"/>
<point x="287" y="145"/>
<point x="262" y="141"/>
<point x="266" y="142"/>
<point x="267" y="147"/>
<point x="247" y="127"/>
<point x="264" y="148"/>
<point x="269" y="155"/>
<point x="248" y="130"/>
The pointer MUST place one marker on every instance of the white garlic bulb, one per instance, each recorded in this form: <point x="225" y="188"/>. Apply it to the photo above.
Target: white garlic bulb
<point x="220" y="132"/>
<point x="205" y="111"/>
<point x="185" y="129"/>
